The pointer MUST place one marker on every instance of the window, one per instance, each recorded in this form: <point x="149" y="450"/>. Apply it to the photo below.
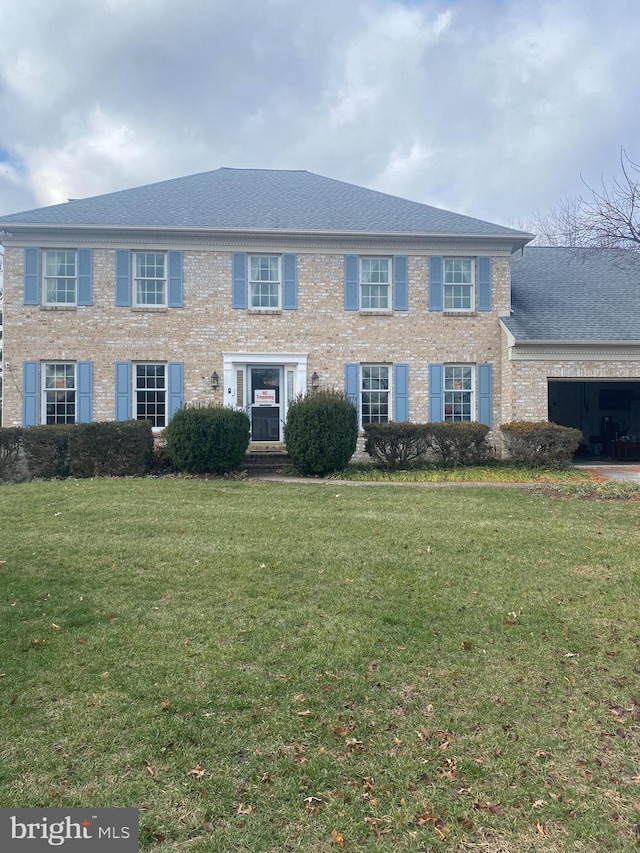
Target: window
<point x="150" y="391"/>
<point x="150" y="282"/>
<point x="458" y="392"/>
<point x="374" y="393"/>
<point x="459" y="275"/>
<point x="375" y="280"/>
<point x="60" y="277"/>
<point x="59" y="393"/>
<point x="264" y="281"/>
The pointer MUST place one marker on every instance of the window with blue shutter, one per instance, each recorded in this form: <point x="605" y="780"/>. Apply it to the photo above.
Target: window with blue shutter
<point x="123" y="279"/>
<point x="435" y="284"/>
<point x="176" y="387"/>
<point x="31" y="295"/>
<point x="239" y="298"/>
<point x="289" y="282"/>
<point x="401" y="392"/>
<point x="123" y="390"/>
<point x="30" y="374"/>
<point x="351" y="283"/>
<point x="435" y="392"/>
<point x="484" y="284"/>
<point x="175" y="279"/>
<point x="400" y="283"/>
<point x="485" y="377"/>
<point x="84" y="411"/>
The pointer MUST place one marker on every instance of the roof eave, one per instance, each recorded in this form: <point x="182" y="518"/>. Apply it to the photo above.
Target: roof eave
<point x="508" y="242"/>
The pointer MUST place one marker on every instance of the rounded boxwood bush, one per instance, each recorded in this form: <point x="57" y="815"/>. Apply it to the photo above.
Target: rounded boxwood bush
<point x="321" y="432"/>
<point x="207" y="439"/>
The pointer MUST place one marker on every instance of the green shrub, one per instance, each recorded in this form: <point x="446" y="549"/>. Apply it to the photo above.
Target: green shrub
<point x="11" y="469"/>
<point x="540" y="443"/>
<point x="46" y="450"/>
<point x="401" y="445"/>
<point x="459" y="442"/>
<point x="207" y="439"/>
<point x="321" y="432"/>
<point x="110" y="448"/>
<point x="397" y="445"/>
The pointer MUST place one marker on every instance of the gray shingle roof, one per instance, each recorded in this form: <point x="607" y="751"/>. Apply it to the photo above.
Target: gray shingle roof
<point x="575" y="295"/>
<point x="259" y="199"/>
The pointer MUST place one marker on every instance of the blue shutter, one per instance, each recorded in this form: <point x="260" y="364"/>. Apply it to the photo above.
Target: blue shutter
<point x="85" y="277"/>
<point x="484" y="284"/>
<point x="84" y="408"/>
<point x="485" y="374"/>
<point x="436" y="391"/>
<point x="351" y="284"/>
<point x="123" y="390"/>
<point x="351" y="385"/>
<point x="289" y="282"/>
<point x="436" y="301"/>
<point x="175" y="279"/>
<point x="400" y="283"/>
<point x="30" y="393"/>
<point x="401" y="391"/>
<point x="176" y="391"/>
<point x="31" y="276"/>
<point x="123" y="277"/>
<point x="239" y="287"/>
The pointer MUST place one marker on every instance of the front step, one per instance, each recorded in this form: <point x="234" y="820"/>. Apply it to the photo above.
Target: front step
<point x="264" y="461"/>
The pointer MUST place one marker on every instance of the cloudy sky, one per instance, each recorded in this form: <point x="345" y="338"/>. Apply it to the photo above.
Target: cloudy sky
<point x="493" y="108"/>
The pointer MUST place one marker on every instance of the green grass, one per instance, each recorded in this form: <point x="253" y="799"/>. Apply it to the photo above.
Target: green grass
<point x="296" y="667"/>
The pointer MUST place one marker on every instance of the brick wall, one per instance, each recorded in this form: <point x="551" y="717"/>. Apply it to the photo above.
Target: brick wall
<point x="207" y="326"/>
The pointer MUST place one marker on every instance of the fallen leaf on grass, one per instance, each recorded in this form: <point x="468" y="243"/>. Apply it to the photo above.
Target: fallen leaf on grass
<point x="55" y="627"/>
<point x="337" y="837"/>
<point x="540" y="828"/>
<point x="197" y="772"/>
<point x="242" y="809"/>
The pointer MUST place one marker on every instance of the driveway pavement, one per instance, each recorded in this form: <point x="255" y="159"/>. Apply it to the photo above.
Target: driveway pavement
<point x="625" y="473"/>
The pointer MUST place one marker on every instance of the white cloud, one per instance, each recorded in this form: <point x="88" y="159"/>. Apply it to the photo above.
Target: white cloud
<point x="490" y="108"/>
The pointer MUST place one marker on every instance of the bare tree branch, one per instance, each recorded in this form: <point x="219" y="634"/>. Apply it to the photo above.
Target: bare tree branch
<point x="607" y="218"/>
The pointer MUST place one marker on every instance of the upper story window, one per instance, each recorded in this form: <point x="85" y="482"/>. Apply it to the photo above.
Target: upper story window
<point x="458" y="392"/>
<point x="59" y="393"/>
<point x="150" y="279"/>
<point x="459" y="282"/>
<point x="264" y="281"/>
<point x="60" y="277"/>
<point x="375" y="284"/>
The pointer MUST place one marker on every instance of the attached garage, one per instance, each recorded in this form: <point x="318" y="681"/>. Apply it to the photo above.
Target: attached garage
<point x="606" y="412"/>
<point x="572" y="345"/>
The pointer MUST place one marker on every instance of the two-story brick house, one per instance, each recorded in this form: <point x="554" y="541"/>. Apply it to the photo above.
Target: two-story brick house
<point x="249" y="287"/>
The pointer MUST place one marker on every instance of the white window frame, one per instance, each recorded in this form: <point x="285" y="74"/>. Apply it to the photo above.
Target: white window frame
<point x="47" y="253"/>
<point x="449" y="287"/>
<point x="50" y="392"/>
<point x="382" y="287"/>
<point x="153" y="279"/>
<point x="451" y="395"/>
<point x="372" y="391"/>
<point x="256" y="298"/>
<point x="142" y="390"/>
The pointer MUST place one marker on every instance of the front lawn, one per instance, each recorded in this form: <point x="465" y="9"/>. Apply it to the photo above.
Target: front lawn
<point x="266" y="667"/>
